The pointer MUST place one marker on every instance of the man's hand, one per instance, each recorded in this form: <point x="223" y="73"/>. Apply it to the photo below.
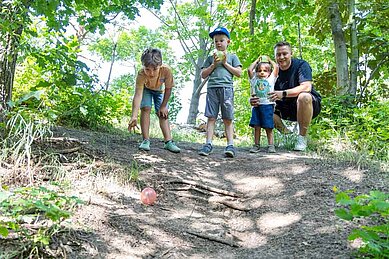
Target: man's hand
<point x="163" y="112"/>
<point x="133" y="124"/>
<point x="254" y="101"/>
<point x="275" y="96"/>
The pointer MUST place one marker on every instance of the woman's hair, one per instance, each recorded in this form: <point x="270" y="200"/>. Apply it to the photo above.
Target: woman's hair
<point x="151" y="57"/>
<point x="266" y="64"/>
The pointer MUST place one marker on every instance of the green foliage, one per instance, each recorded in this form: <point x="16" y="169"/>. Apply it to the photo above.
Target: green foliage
<point x="366" y="127"/>
<point x="374" y="207"/>
<point x="42" y="208"/>
<point x="82" y="107"/>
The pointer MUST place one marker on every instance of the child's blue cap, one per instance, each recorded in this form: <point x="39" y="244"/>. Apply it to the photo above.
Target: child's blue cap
<point x="219" y="30"/>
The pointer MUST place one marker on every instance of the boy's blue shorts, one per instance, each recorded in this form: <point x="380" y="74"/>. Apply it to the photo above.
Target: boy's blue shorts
<point x="149" y="96"/>
<point x="262" y="116"/>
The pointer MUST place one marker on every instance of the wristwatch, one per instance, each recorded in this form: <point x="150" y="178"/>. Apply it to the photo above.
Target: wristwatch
<point x="284" y="94"/>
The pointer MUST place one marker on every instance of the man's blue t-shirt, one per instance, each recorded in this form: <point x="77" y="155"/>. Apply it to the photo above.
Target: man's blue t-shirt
<point x="298" y="72"/>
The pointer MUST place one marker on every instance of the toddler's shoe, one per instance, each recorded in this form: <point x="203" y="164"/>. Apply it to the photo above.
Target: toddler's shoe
<point x="229" y="151"/>
<point x="145" y="145"/>
<point x="255" y="149"/>
<point x="171" y="146"/>
<point x="206" y="150"/>
<point x="271" y="149"/>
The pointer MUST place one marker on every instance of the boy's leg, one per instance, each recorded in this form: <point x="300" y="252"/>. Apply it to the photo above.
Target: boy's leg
<point x="210" y="129"/>
<point x="165" y="127"/>
<point x="145" y="122"/>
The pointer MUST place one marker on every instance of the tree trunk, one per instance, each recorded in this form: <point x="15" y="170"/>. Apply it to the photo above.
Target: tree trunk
<point x="8" y="57"/>
<point x="113" y="57"/>
<point x="340" y="49"/>
<point x="194" y="102"/>
<point x="252" y="16"/>
<point x="9" y="49"/>
<point x="354" y="51"/>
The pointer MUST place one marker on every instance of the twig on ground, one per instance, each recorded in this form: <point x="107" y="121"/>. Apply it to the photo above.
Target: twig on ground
<point x="206" y="187"/>
<point x="69" y="150"/>
<point x="213" y="238"/>
<point x="64" y="139"/>
<point x="220" y="200"/>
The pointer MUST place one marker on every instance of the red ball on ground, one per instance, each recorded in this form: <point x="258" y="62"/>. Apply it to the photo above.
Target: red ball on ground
<point x="148" y="196"/>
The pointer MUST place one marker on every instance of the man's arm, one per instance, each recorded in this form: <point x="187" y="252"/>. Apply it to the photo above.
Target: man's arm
<point x="293" y="92"/>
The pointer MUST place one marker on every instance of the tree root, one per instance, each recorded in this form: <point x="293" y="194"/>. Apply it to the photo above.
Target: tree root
<point x="205" y="187"/>
<point x="213" y="238"/>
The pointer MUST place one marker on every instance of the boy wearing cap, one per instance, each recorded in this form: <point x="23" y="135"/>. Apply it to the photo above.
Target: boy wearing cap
<point x="221" y="67"/>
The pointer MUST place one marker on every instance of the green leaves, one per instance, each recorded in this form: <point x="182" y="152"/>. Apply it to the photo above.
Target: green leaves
<point x="27" y="206"/>
<point x="375" y="206"/>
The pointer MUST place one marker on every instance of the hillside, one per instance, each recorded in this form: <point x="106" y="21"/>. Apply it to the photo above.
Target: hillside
<point x="253" y="206"/>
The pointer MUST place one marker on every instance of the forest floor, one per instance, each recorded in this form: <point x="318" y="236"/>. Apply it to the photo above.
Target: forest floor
<point x="252" y="206"/>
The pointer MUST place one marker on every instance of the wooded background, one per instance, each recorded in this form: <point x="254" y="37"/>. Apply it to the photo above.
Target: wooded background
<point x="43" y="78"/>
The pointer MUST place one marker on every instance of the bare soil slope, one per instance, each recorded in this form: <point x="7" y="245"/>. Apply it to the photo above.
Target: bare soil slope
<point x="253" y="206"/>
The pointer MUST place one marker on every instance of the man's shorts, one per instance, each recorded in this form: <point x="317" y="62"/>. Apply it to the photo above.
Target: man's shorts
<point x="262" y="116"/>
<point x="149" y="96"/>
<point x="220" y="98"/>
<point x="287" y="110"/>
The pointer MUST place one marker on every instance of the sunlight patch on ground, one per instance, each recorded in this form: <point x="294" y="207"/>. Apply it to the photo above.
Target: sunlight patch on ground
<point x="147" y="158"/>
<point x="253" y="240"/>
<point x="256" y="185"/>
<point x="184" y="213"/>
<point x="353" y="175"/>
<point x="241" y="224"/>
<point x="273" y="222"/>
<point x="300" y="193"/>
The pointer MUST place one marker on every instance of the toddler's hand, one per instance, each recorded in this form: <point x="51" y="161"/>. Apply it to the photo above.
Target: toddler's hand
<point x="254" y="101"/>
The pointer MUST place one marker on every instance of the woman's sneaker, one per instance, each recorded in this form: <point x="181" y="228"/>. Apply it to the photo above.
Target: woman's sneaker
<point x="171" y="146"/>
<point x="229" y="151"/>
<point x="145" y="145"/>
<point x="255" y="149"/>
<point x="206" y="150"/>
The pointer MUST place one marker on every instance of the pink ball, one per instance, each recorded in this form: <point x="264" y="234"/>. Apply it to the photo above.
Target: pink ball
<point x="148" y="196"/>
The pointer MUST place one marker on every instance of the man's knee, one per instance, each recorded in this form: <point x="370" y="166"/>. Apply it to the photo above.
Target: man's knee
<point x="304" y="100"/>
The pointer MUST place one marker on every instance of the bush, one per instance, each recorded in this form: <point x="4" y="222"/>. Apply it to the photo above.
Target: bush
<point x="375" y="207"/>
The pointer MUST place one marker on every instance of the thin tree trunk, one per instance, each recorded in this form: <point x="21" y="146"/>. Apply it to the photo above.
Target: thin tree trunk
<point x="195" y="100"/>
<point x="354" y="50"/>
<point x="111" y="66"/>
<point x="340" y="49"/>
<point x="252" y="16"/>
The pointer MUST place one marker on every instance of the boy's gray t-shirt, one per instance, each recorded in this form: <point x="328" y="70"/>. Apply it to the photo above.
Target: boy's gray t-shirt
<point x="220" y="76"/>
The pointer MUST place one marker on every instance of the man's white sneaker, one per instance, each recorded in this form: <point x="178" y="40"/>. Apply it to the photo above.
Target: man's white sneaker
<point x="301" y="144"/>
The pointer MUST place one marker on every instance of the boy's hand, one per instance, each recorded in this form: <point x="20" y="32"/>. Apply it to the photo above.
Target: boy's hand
<point x="132" y="125"/>
<point x="163" y="112"/>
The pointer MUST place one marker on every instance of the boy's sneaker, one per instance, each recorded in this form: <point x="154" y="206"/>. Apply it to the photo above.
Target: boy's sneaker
<point x="145" y="145"/>
<point x="229" y="151"/>
<point x="255" y="149"/>
<point x="271" y="149"/>
<point x="206" y="150"/>
<point x="171" y="146"/>
<point x="301" y="144"/>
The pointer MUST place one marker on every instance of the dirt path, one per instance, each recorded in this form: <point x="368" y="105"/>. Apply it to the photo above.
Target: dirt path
<point x="252" y="206"/>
